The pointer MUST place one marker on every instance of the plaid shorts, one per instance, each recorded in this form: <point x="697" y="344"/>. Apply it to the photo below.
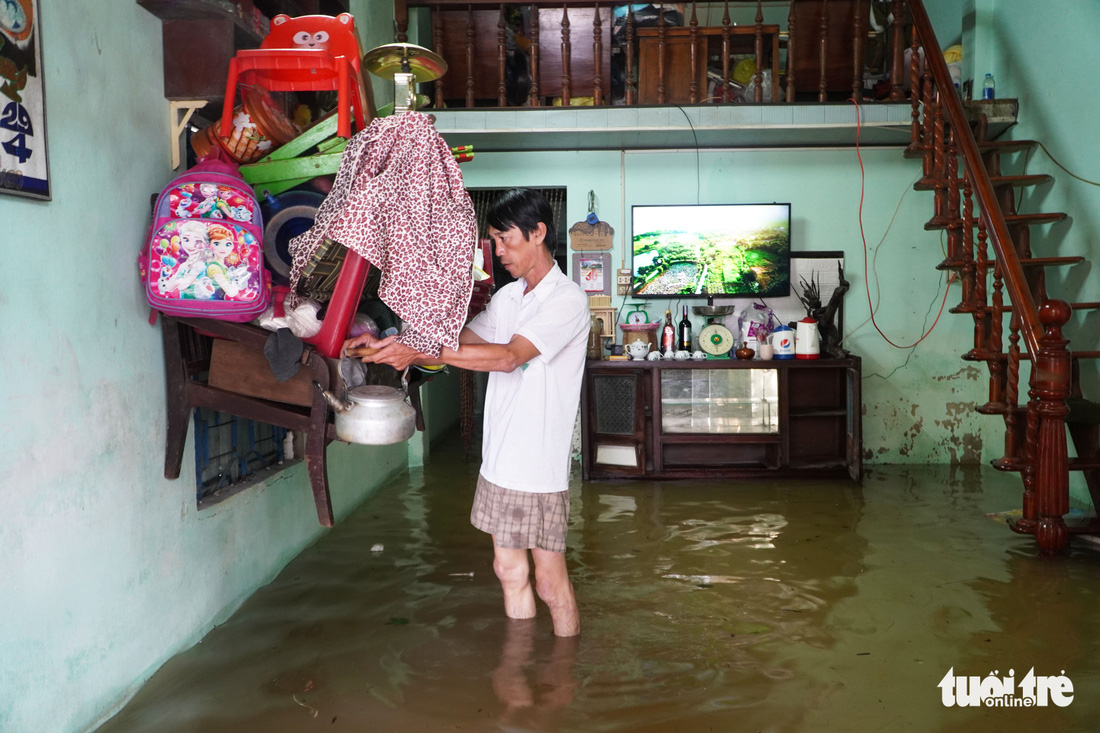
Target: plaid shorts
<point x="520" y="520"/>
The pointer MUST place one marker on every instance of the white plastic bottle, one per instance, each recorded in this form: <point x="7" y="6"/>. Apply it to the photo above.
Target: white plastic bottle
<point x="988" y="87"/>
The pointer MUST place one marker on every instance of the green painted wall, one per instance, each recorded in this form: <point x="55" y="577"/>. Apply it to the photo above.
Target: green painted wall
<point x="918" y="401"/>
<point x="374" y="19"/>
<point x="107" y="568"/>
<point x="1057" y="108"/>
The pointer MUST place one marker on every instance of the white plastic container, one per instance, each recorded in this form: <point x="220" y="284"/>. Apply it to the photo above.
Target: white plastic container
<point x="807" y="340"/>
<point x="783" y="342"/>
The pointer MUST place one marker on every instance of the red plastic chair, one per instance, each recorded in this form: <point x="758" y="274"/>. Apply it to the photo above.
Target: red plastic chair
<point x="305" y="54"/>
<point x="344" y="301"/>
<point x="341" y="306"/>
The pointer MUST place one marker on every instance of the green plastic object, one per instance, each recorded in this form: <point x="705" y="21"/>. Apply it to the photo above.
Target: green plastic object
<point x="286" y="167"/>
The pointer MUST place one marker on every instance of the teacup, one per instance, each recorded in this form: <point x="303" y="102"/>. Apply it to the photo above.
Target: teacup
<point x="698" y="355"/>
<point x="654" y="356"/>
<point x="682" y="355"/>
<point x="765" y="352"/>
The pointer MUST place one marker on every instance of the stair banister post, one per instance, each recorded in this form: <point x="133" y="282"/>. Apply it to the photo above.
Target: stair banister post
<point x="1050" y="380"/>
<point x="897" y="92"/>
<point x="400" y="21"/>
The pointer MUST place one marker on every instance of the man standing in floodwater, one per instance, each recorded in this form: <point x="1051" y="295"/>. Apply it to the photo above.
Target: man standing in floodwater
<point x="532" y="340"/>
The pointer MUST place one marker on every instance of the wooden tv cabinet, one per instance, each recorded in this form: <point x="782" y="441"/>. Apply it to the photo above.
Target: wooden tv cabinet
<point x="722" y="418"/>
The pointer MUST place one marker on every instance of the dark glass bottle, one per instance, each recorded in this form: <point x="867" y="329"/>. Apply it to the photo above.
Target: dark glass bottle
<point x="685" y="332"/>
<point x="668" y="335"/>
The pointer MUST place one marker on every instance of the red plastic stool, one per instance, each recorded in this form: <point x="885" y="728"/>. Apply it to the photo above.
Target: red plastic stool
<point x="305" y="54"/>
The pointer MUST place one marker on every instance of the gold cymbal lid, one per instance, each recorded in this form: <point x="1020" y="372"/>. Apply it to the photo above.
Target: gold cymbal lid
<point x="385" y="61"/>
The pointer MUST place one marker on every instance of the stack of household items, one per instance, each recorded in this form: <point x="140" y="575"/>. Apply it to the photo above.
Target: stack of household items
<point x="287" y="238"/>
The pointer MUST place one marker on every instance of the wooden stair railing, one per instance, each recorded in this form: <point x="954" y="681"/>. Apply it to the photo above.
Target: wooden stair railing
<point x="1009" y="281"/>
<point x="825" y="49"/>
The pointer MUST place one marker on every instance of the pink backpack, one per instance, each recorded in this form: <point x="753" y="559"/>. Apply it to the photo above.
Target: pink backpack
<point x="204" y="253"/>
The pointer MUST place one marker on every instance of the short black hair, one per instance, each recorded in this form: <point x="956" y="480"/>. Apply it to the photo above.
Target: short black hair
<point x="524" y="208"/>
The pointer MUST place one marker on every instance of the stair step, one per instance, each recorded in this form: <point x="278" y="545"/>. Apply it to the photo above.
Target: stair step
<point x="1025" y="261"/>
<point x="931" y="184"/>
<point x="989" y="146"/>
<point x="1000" y="408"/>
<point x="1050" y="261"/>
<point x="1021" y="180"/>
<point x="1082" y="411"/>
<point x="1084" y="464"/>
<point x="1040" y="218"/>
<point x="1008" y="464"/>
<point x="964" y="308"/>
<point x="934" y="224"/>
<point x="973" y="355"/>
<point x="1005" y="146"/>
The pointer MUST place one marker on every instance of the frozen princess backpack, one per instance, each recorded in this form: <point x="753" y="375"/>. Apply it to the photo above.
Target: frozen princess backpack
<point x="204" y="254"/>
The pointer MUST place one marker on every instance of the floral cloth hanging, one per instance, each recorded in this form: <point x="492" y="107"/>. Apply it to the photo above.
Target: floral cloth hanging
<point x="399" y="202"/>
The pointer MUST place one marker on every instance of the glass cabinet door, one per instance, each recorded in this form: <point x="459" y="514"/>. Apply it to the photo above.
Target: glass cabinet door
<point x="719" y="401"/>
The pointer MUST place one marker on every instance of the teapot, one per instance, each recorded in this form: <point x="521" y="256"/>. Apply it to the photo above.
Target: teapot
<point x="637" y="349"/>
<point x="372" y="415"/>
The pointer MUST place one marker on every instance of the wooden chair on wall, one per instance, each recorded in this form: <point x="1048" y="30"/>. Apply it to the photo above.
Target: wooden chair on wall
<point x="187" y="357"/>
<point x="241" y="384"/>
<point x="825" y="49"/>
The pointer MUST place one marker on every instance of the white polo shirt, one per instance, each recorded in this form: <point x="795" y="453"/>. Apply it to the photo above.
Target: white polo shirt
<point x="529" y="413"/>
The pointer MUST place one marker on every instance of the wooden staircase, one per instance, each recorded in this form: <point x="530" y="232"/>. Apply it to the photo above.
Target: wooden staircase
<point x="989" y="246"/>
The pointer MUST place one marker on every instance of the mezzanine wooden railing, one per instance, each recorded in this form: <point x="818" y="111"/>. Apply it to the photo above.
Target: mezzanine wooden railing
<point x="567" y="46"/>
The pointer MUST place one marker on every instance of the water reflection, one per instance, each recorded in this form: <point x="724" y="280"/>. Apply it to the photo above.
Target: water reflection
<point x="532" y="689"/>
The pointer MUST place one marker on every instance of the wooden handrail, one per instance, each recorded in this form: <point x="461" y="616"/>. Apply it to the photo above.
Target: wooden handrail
<point x="1044" y="462"/>
<point x="996" y="228"/>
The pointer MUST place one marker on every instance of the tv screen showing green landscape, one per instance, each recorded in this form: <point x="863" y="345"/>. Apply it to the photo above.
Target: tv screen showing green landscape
<point x="712" y="250"/>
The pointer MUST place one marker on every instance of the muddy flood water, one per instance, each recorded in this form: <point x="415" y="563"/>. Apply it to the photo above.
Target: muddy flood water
<point x="705" y="606"/>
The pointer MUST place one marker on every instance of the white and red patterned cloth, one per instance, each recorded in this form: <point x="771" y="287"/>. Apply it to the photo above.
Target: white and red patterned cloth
<point x="398" y="201"/>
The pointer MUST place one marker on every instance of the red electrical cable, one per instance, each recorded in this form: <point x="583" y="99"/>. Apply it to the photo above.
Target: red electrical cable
<point x="866" y="281"/>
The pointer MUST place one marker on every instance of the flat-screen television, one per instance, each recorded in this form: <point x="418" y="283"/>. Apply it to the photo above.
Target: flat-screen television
<point x="711" y="250"/>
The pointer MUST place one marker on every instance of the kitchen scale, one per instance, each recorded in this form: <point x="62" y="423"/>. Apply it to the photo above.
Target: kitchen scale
<point x="636" y="327"/>
<point x="637" y="315"/>
<point x="714" y="338"/>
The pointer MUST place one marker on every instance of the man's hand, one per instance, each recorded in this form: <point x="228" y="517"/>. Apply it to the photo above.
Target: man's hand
<point x="397" y="355"/>
<point x="364" y="340"/>
<point x="386" y="351"/>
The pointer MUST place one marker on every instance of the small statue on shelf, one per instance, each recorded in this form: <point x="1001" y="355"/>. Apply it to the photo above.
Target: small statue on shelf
<point x="824" y="315"/>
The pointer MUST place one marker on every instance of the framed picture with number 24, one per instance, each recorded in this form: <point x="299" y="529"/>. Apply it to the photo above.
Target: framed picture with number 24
<point x="24" y="166"/>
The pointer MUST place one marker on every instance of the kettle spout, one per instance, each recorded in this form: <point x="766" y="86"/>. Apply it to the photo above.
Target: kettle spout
<point x="334" y="402"/>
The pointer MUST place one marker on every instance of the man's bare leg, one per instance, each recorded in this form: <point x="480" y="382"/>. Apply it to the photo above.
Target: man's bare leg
<point x="514" y="573"/>
<point x="555" y="589"/>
